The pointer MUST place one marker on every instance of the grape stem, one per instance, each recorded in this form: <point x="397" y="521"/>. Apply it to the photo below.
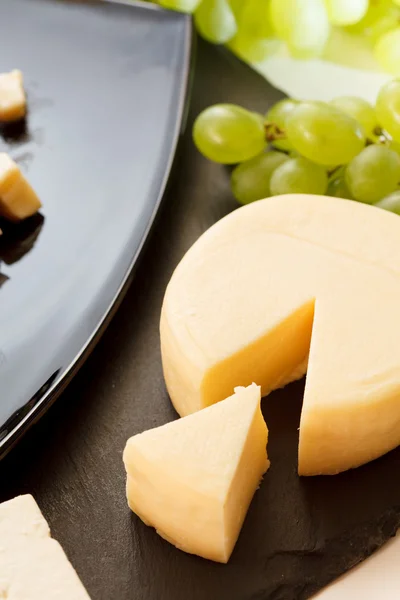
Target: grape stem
<point x="334" y="171"/>
<point x="273" y="132"/>
<point x="381" y="134"/>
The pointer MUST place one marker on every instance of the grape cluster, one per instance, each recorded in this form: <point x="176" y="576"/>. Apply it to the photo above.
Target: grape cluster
<point x="255" y="29"/>
<point x="345" y="148"/>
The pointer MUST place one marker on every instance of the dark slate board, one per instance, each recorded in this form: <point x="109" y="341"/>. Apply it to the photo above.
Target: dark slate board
<point x="299" y="533"/>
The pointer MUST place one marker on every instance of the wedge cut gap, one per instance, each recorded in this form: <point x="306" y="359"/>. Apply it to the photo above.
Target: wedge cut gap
<point x="274" y="360"/>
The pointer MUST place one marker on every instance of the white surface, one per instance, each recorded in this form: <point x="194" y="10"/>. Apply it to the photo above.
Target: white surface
<point x="377" y="578"/>
<point x="320" y="80"/>
<point x="323" y="80"/>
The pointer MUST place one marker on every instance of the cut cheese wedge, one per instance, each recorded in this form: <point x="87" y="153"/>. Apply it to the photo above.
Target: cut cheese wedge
<point x="17" y="198"/>
<point x="284" y="283"/>
<point x="33" y="566"/>
<point x="12" y="96"/>
<point x="193" y="479"/>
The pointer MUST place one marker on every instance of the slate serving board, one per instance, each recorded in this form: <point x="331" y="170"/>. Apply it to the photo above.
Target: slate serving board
<point x="299" y="533"/>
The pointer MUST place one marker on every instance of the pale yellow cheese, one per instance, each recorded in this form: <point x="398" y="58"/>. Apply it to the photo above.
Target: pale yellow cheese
<point x="17" y="198"/>
<point x="282" y="279"/>
<point x="33" y="566"/>
<point x="193" y="479"/>
<point x="12" y="96"/>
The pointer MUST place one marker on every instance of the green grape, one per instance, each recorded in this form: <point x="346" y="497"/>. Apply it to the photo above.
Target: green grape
<point x="228" y="134"/>
<point x="215" y="21"/>
<point x="252" y="49"/>
<point x="324" y="134"/>
<point x="260" y="117"/>
<point x="236" y="6"/>
<point x="338" y="188"/>
<point x="346" y="12"/>
<point x="381" y="17"/>
<point x="278" y="115"/>
<point x="255" y="40"/>
<point x="388" y="108"/>
<point x="391" y="203"/>
<point x="299" y="176"/>
<point x="255" y="19"/>
<point x="360" y="110"/>
<point x="395" y="146"/>
<point x="349" y="49"/>
<point x="387" y="51"/>
<point x="187" y="6"/>
<point x="251" y="179"/>
<point x="302" y="24"/>
<point x="373" y="174"/>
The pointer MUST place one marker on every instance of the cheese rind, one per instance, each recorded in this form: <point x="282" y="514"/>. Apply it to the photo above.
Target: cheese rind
<point x="252" y="292"/>
<point x="193" y="479"/>
<point x="18" y="200"/>
<point x="12" y="96"/>
<point x="33" y="566"/>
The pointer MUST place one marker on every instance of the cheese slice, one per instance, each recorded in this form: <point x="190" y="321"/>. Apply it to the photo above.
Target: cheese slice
<point x="17" y="198"/>
<point x="284" y="283"/>
<point x="12" y="96"/>
<point x="33" y="566"/>
<point x="193" y="479"/>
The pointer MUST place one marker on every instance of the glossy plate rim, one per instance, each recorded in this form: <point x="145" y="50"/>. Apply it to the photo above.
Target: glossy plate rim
<point x="56" y="387"/>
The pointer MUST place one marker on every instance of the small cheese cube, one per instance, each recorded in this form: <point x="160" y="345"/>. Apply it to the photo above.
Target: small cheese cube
<point x="17" y="198"/>
<point x="12" y="96"/>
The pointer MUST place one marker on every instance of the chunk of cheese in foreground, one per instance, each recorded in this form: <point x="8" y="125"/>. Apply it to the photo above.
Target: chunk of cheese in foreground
<point x="193" y="479"/>
<point x="274" y="282"/>
<point x="12" y="96"/>
<point x="17" y="198"/>
<point x="33" y="566"/>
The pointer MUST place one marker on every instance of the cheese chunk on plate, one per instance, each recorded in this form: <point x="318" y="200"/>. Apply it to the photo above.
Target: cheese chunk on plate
<point x="193" y="479"/>
<point x="285" y="285"/>
<point x="17" y="198"/>
<point x="33" y="566"/>
<point x="12" y="96"/>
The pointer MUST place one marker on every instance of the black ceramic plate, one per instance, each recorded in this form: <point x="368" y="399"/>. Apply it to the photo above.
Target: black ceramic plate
<point x="106" y="85"/>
